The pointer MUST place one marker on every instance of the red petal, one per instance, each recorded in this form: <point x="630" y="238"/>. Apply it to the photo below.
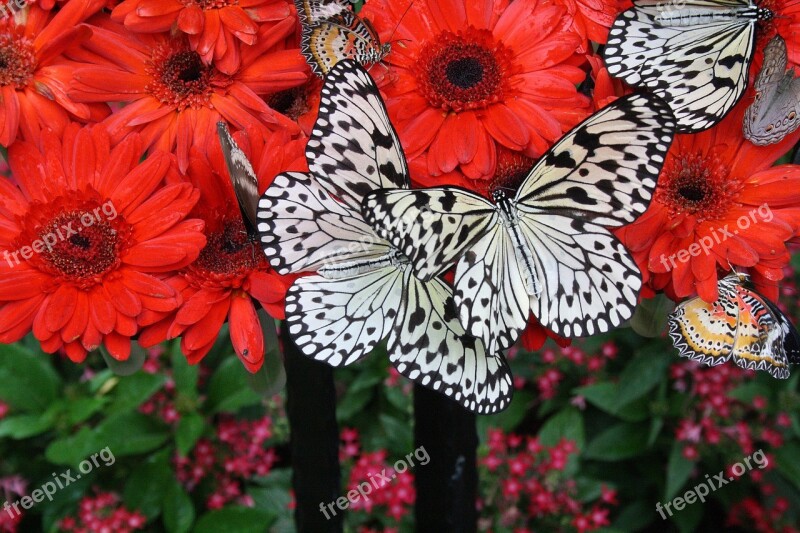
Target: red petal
<point x="245" y="331"/>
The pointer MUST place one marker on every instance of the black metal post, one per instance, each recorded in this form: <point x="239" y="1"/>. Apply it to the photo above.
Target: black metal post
<point x="447" y="485"/>
<point x="313" y="442"/>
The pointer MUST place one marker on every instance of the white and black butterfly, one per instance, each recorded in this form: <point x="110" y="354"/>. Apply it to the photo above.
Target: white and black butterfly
<point x="363" y="289"/>
<point x="741" y="325"/>
<point x="547" y="250"/>
<point x="695" y="54"/>
<point x="775" y="113"/>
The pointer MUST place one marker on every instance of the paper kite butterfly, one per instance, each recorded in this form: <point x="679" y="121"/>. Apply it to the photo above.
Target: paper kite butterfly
<point x="547" y="249"/>
<point x="361" y="289"/>
<point x="695" y="54"/>
<point x="331" y="32"/>
<point x="243" y="179"/>
<point x="741" y="325"/>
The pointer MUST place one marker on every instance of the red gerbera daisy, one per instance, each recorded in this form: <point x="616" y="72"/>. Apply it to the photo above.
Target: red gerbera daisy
<point x="300" y="103"/>
<point x="231" y="271"/>
<point x="718" y="203"/>
<point x="33" y="73"/>
<point x="175" y="99"/>
<point x="469" y="77"/>
<point x="84" y="236"/>
<point x="592" y="18"/>
<point x="215" y="27"/>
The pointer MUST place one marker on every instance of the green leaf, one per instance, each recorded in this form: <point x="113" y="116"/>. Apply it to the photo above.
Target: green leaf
<point x="402" y="437"/>
<point x="650" y="317"/>
<point x="234" y="520"/>
<point x="131" y="434"/>
<point x="679" y="468"/>
<point x="228" y="389"/>
<point x="618" y="442"/>
<point x="133" y="391"/>
<point x="178" y="512"/>
<point x="80" y="409"/>
<point x="567" y="424"/>
<point x="352" y="403"/>
<point x="190" y="428"/>
<point x="147" y="486"/>
<point x="129" y="366"/>
<point x="636" y="516"/>
<point x="787" y="462"/>
<point x="643" y="373"/>
<point x="687" y="518"/>
<point x="24" y="426"/>
<point x="747" y="391"/>
<point x="271" y="377"/>
<point x="73" y="449"/>
<point x="184" y="374"/>
<point x="27" y="381"/>
<point x="602" y="395"/>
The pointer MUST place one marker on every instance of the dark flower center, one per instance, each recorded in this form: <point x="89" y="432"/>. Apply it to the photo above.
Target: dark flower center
<point x="228" y="257"/>
<point x="291" y="103"/>
<point x="209" y="4"/>
<point x="696" y="184"/>
<point x="463" y="71"/>
<point x="17" y="59"/>
<point x="180" y="78"/>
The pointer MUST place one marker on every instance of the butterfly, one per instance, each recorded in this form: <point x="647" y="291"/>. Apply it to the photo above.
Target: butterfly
<point x="695" y="54"/>
<point x="332" y="32"/>
<point x="363" y="289"/>
<point x="547" y="249"/>
<point x="243" y="178"/>
<point x="776" y="110"/>
<point x="741" y="325"/>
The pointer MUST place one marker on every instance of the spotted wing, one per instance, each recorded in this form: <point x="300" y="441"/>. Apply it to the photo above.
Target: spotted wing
<point x="339" y="321"/>
<point x="243" y="178"/>
<point x="775" y="112"/>
<point x="303" y="228"/>
<point x="353" y="148"/>
<point x="589" y="282"/>
<point x="695" y="54"/>
<point x="605" y="169"/>
<point x="704" y="332"/>
<point x="343" y="37"/>
<point x="760" y="336"/>
<point x="432" y="227"/>
<point x="312" y="11"/>
<point x="429" y="346"/>
<point x="490" y="293"/>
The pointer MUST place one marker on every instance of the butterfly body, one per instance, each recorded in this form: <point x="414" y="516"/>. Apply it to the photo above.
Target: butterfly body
<point x="776" y="110"/>
<point x="741" y="325"/>
<point x="547" y="250"/>
<point x="695" y="55"/>
<point x="361" y="290"/>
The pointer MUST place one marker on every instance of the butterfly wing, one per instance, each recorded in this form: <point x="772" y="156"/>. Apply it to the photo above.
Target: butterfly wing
<point x="312" y="11"/>
<point x="339" y="321"/>
<point x="695" y="55"/>
<point x="432" y="227"/>
<point x="760" y="337"/>
<point x="354" y="149"/>
<point x="303" y="228"/>
<point x="429" y="346"/>
<point x="243" y="178"/>
<point x="590" y="283"/>
<point x="342" y="37"/>
<point x="775" y="112"/>
<point x="605" y="169"/>
<point x="704" y="332"/>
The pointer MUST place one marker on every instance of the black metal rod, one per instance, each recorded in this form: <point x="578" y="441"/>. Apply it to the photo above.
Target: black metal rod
<point x="447" y="485"/>
<point x="313" y="441"/>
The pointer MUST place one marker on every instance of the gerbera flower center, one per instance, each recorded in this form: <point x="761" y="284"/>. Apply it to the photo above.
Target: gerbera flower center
<point x="80" y="245"/>
<point x="512" y="168"/>
<point x="698" y="185"/>
<point x="463" y="71"/>
<point x="291" y="103"/>
<point x="180" y="78"/>
<point x="228" y="257"/>
<point x="17" y="60"/>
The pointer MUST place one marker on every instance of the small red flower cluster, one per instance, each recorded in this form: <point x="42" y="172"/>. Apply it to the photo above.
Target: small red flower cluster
<point x="103" y="512"/>
<point x="537" y="492"/>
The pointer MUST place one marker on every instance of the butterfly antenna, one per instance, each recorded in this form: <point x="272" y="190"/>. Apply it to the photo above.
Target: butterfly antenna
<point x="398" y="24"/>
